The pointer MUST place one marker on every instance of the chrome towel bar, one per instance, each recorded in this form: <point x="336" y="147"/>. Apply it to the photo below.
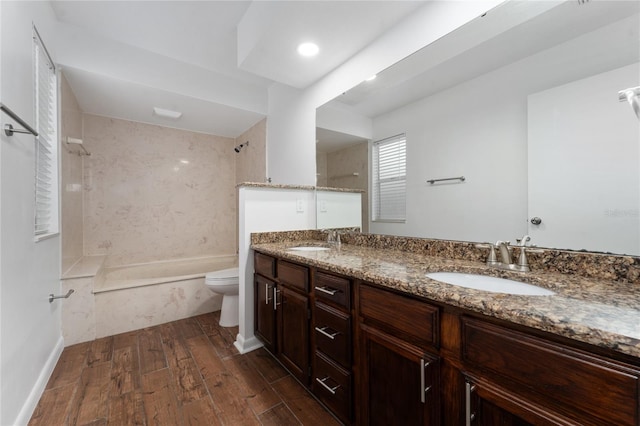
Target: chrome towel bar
<point x="460" y="178"/>
<point x="8" y="128"/>
<point x="65" y="296"/>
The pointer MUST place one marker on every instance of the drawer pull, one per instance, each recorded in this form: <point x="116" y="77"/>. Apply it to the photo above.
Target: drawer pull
<point x="266" y="292"/>
<point x="469" y="389"/>
<point x="327" y="387"/>
<point x="323" y="331"/>
<point x="275" y="298"/>
<point x="423" y="387"/>
<point x="327" y="290"/>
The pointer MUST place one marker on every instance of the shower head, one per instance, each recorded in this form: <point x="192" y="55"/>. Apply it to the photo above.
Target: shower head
<point x="631" y="95"/>
<point x="242" y="145"/>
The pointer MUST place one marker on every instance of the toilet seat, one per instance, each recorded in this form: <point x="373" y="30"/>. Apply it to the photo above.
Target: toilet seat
<point x="223" y="275"/>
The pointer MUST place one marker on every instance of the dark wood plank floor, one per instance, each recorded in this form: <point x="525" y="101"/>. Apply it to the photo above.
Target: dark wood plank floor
<point x="185" y="372"/>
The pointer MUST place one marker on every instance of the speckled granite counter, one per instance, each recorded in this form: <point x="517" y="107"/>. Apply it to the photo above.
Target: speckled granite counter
<point x="303" y="187"/>
<point x="599" y="312"/>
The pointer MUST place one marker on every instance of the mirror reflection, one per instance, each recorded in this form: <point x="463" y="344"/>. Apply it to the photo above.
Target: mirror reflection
<point x="532" y="117"/>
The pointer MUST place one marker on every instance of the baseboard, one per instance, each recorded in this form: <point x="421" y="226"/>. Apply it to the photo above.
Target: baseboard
<point x="247" y="345"/>
<point x="36" y="392"/>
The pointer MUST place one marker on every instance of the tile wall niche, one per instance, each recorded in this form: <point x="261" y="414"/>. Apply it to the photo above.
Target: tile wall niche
<point x="155" y="193"/>
<point x="71" y="178"/>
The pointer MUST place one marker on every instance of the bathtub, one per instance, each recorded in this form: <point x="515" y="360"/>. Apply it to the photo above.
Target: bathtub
<point x="136" y="296"/>
<point x="169" y="271"/>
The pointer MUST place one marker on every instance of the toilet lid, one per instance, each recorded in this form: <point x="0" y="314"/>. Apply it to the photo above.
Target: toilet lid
<point x="223" y="274"/>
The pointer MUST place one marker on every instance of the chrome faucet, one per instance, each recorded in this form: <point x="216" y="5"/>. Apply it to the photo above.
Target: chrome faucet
<point x="505" y="252"/>
<point x="506" y="259"/>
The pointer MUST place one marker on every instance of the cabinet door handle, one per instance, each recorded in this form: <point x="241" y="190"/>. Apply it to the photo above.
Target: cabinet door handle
<point x="327" y="387"/>
<point x="469" y="389"/>
<point x="423" y="385"/>
<point x="326" y="290"/>
<point x="267" y="290"/>
<point x="275" y="298"/>
<point x="323" y="330"/>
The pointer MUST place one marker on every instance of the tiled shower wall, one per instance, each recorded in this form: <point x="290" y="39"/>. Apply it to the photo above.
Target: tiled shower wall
<point x="71" y="178"/>
<point x="250" y="161"/>
<point x="153" y="193"/>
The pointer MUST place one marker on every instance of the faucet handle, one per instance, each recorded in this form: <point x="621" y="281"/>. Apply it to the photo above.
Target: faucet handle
<point x="492" y="258"/>
<point x="523" y="263"/>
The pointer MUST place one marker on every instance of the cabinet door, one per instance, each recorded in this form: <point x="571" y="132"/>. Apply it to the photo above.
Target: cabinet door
<point x="399" y="383"/>
<point x="265" y="319"/>
<point x="487" y="404"/>
<point x="293" y="337"/>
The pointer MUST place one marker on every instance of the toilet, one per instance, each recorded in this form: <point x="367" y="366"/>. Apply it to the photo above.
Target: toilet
<point x="225" y="282"/>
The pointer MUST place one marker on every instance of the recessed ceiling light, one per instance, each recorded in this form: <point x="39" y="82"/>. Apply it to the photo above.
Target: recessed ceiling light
<point x="308" y="49"/>
<point x="167" y="113"/>
<point x="373" y="77"/>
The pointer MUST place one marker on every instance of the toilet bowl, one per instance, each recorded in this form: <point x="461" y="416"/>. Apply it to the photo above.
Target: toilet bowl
<point x="225" y="282"/>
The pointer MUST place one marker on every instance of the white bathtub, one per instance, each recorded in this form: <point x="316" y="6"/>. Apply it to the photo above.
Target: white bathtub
<point x="145" y="274"/>
<point x="132" y="297"/>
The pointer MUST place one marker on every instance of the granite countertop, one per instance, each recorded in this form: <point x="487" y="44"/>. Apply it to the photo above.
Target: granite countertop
<point x="301" y="187"/>
<point x="598" y="312"/>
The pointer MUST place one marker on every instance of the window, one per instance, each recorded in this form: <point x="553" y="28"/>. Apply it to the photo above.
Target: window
<point x="46" y="148"/>
<point x="390" y="179"/>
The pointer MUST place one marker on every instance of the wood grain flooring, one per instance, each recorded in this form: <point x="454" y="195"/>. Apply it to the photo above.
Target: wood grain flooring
<point x="185" y="372"/>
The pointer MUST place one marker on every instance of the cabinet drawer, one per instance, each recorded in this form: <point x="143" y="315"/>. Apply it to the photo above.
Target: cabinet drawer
<point x="293" y="275"/>
<point x="333" y="333"/>
<point x="412" y="320"/>
<point x="264" y="265"/>
<point x="332" y="289"/>
<point x="587" y="386"/>
<point x="332" y="385"/>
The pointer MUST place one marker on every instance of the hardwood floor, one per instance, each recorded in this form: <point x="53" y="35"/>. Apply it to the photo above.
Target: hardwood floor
<point x="182" y="373"/>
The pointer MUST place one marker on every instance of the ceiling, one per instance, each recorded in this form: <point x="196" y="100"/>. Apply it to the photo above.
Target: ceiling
<point x="214" y="61"/>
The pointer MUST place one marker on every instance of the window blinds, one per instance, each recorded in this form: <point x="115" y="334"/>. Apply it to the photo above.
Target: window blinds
<point x="390" y="179"/>
<point x="46" y="170"/>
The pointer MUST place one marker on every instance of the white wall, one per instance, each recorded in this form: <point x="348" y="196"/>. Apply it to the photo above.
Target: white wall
<point x="338" y="209"/>
<point x="30" y="336"/>
<point x="291" y="135"/>
<point x="583" y="155"/>
<point x="458" y="132"/>
<point x="263" y="210"/>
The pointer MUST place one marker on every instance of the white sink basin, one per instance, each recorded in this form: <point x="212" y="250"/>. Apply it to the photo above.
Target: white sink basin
<point x="492" y="284"/>
<point x="309" y="248"/>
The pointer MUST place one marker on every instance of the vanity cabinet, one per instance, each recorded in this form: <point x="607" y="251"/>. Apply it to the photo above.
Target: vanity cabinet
<point x="377" y="356"/>
<point x="282" y="312"/>
<point x="398" y="360"/>
<point x="265" y="291"/>
<point x="293" y="318"/>
<point x="332" y="378"/>
<point x="532" y="380"/>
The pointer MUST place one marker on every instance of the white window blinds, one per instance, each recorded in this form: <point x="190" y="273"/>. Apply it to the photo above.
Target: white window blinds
<point x="390" y="179"/>
<point x="46" y="148"/>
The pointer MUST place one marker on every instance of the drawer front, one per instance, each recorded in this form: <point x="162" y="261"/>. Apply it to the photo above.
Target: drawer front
<point x="585" y="385"/>
<point x="293" y="275"/>
<point x="264" y="265"/>
<point x="333" y="289"/>
<point x="412" y="320"/>
<point x="332" y="385"/>
<point x="332" y="331"/>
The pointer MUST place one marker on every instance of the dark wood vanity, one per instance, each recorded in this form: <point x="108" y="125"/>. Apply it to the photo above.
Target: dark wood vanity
<point x="378" y="356"/>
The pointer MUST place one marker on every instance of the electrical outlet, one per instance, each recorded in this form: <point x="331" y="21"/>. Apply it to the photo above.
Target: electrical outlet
<point x="300" y="206"/>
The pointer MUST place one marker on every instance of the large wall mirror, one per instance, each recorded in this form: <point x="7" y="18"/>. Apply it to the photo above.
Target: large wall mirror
<point x="523" y="102"/>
